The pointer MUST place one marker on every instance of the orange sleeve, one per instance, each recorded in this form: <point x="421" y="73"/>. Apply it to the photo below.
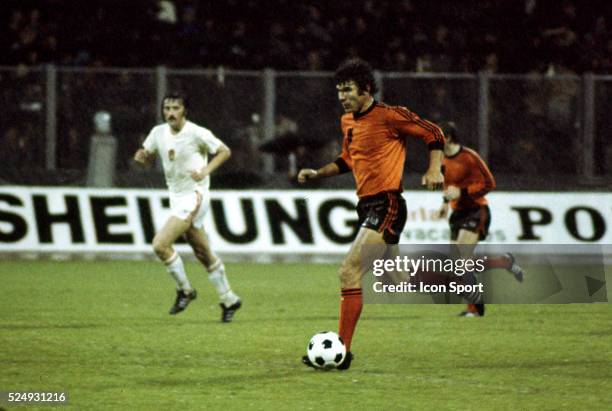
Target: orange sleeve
<point x="344" y="161"/>
<point x="410" y="124"/>
<point x="344" y="157"/>
<point x="483" y="180"/>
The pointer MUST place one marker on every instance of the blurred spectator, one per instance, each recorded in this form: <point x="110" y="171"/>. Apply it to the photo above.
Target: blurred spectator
<point x="15" y="150"/>
<point x="166" y="12"/>
<point x="491" y="65"/>
<point x="72" y="150"/>
<point x="286" y="140"/>
<point x="440" y="106"/>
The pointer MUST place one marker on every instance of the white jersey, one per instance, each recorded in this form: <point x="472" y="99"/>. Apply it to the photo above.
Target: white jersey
<point x="182" y="153"/>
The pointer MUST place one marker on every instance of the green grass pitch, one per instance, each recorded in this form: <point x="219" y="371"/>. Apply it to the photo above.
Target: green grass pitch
<point x="101" y="332"/>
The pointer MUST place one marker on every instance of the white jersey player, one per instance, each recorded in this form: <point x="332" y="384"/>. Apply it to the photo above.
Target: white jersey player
<point x="184" y="148"/>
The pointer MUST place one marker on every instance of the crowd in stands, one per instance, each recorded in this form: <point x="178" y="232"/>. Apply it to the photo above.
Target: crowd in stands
<point x="394" y="35"/>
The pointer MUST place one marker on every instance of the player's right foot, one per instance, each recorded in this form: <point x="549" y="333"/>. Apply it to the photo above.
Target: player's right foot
<point x="182" y="301"/>
<point x="473" y="310"/>
<point x="515" y="269"/>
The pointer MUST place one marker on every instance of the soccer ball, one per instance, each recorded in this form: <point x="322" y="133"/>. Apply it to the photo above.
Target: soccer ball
<point x="326" y="350"/>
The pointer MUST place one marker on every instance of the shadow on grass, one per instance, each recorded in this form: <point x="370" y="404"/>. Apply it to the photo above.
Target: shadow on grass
<point x="243" y="379"/>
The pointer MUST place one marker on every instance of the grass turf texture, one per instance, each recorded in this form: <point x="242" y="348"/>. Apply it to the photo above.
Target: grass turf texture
<point x="101" y="332"/>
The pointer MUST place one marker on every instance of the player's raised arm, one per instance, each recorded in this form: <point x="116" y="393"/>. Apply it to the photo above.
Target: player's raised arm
<point x="223" y="154"/>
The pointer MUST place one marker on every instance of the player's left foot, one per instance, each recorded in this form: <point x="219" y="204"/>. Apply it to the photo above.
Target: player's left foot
<point x="515" y="269"/>
<point x="346" y="364"/>
<point x="227" y="313"/>
<point x="306" y="361"/>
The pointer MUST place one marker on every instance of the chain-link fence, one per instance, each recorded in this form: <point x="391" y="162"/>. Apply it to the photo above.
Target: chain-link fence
<point x="535" y="131"/>
<point x="453" y="98"/>
<point x="535" y="125"/>
<point x="127" y="95"/>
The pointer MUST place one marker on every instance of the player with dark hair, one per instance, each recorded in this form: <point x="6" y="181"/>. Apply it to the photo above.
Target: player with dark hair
<point x="177" y="96"/>
<point x="184" y="148"/>
<point x="467" y="180"/>
<point x="374" y="149"/>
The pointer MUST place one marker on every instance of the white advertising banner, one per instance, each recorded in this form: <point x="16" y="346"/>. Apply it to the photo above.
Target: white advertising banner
<point x="304" y="222"/>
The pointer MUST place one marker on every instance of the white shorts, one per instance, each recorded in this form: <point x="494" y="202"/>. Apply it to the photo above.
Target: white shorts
<point x="192" y="206"/>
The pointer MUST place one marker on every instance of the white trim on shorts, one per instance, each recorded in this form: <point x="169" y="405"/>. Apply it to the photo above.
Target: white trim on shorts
<point x="192" y="206"/>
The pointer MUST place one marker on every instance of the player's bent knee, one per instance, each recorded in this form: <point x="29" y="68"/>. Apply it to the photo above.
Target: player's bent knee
<point x="161" y="248"/>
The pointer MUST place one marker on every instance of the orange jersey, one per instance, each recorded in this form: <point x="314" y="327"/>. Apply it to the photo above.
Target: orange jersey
<point x="467" y="171"/>
<point x="374" y="145"/>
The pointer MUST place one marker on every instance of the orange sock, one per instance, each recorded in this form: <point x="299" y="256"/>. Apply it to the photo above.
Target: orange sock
<point x="497" y="262"/>
<point x="351" y="303"/>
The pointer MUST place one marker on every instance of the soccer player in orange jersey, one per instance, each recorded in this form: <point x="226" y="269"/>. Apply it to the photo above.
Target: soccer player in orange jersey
<point x="467" y="180"/>
<point x="374" y="149"/>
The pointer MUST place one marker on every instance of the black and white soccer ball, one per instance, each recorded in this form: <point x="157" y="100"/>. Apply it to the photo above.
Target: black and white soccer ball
<point x="326" y="350"/>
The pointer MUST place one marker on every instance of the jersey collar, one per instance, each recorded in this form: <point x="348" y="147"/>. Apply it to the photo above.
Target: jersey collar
<point x="457" y="153"/>
<point x="358" y="115"/>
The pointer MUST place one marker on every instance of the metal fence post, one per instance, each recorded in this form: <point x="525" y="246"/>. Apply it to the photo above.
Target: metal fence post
<point x="161" y="88"/>
<point x="379" y="78"/>
<point x="161" y="83"/>
<point x="51" y="117"/>
<point x="588" y="128"/>
<point x="269" y="114"/>
<point x="483" y="115"/>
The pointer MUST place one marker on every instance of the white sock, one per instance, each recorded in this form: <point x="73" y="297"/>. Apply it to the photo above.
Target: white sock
<point x="216" y="275"/>
<point x="174" y="266"/>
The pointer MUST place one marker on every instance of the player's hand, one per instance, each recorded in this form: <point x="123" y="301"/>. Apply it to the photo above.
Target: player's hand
<point x="141" y="156"/>
<point x="442" y="212"/>
<point x="433" y="179"/>
<point x="306" y="174"/>
<point x="452" y="193"/>
<point x="198" y="175"/>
